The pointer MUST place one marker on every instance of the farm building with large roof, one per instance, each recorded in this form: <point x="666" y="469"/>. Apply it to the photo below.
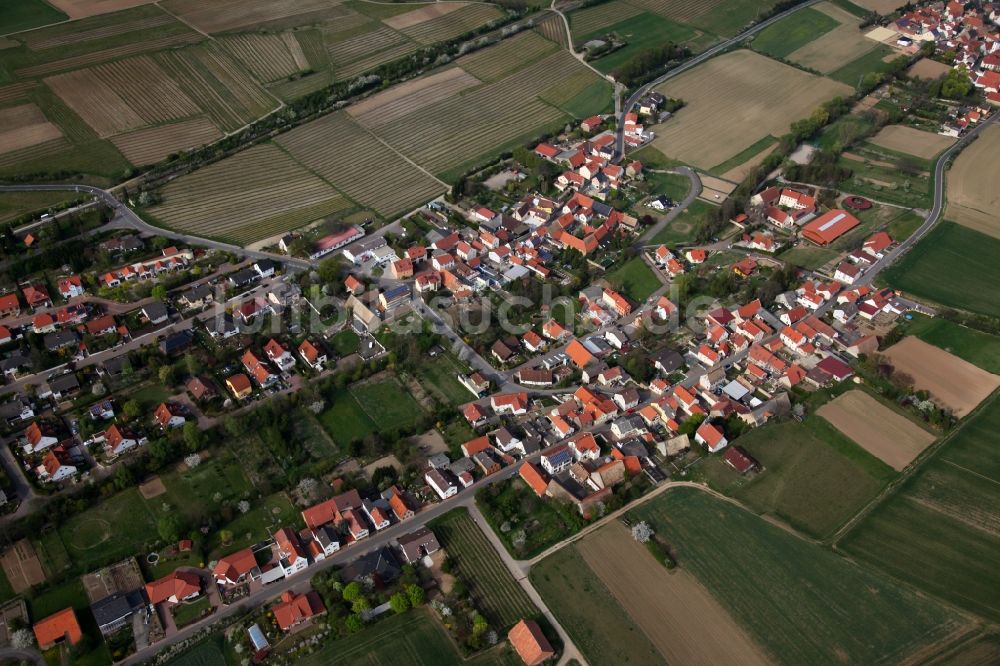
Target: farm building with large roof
<point x="829" y="226"/>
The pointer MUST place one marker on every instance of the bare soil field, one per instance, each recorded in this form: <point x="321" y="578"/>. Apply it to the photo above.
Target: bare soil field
<point x="909" y="140"/>
<point x="890" y="437"/>
<point x="678" y="615"/>
<point x="397" y="101"/>
<point x="737" y="174"/>
<point x="972" y="192"/>
<point x="24" y="126"/>
<point x="152" y="488"/>
<point x="881" y="6"/>
<point x="951" y="381"/>
<point x="424" y="13"/>
<point x="710" y="129"/>
<point x="22" y="566"/>
<point x="148" y="146"/>
<point x="82" y="8"/>
<point x="87" y="31"/>
<point x="225" y="15"/>
<point x="925" y="68"/>
<point x="841" y="45"/>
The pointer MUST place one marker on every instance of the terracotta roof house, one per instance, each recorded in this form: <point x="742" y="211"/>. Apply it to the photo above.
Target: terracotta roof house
<point x="400" y="507"/>
<point x="294" y="609"/>
<point x="37" y="296"/>
<point x="200" y="389"/>
<point x="737" y="458"/>
<point x="711" y="437"/>
<point x="168" y="416"/>
<point x="579" y="355"/>
<point x="175" y="587"/>
<point x="240" y="386"/>
<point x="234" y="568"/>
<point x="530" y="643"/>
<point x="534" y="478"/>
<point x="59" y="627"/>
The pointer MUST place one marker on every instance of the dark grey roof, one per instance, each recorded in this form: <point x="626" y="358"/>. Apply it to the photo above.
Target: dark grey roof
<point x="381" y="563"/>
<point x="115" y="364"/>
<point x="264" y="265"/>
<point x="669" y="359"/>
<point x="197" y="293"/>
<point x="18" y="359"/>
<point x="64" y="383"/>
<point x="176" y="342"/>
<point x="60" y="339"/>
<point x="155" y="310"/>
<point x="116" y="607"/>
<point x="245" y="276"/>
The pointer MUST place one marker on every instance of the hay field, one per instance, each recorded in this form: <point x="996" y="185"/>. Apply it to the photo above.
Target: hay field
<point x="226" y="15"/>
<point x="269" y="57"/>
<point x="361" y="166"/>
<point x="252" y="195"/>
<point x="841" y="45"/>
<point x="123" y="95"/>
<point x="909" y="140"/>
<point x="925" y="68"/>
<point x="77" y="9"/>
<point x="25" y="126"/>
<point x="972" y="192"/>
<point x="148" y="146"/>
<point x="887" y="435"/>
<point x="685" y="623"/>
<point x="951" y="381"/>
<point x="451" y="24"/>
<point x="506" y="57"/>
<point x="399" y="100"/>
<point x="731" y="104"/>
<point x="883" y="7"/>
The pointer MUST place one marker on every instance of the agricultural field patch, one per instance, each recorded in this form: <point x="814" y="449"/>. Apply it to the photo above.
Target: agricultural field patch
<point x="15" y="204"/>
<point x="949" y="266"/>
<point x="874" y="60"/>
<point x="494" y="590"/>
<point x="952" y="382"/>
<point x="909" y="140"/>
<point x="888" y="176"/>
<point x="450" y="24"/>
<point x="794" y="32"/>
<point x="395" y="184"/>
<point x="506" y="57"/>
<point x="680" y="617"/>
<point x="150" y="145"/>
<point x="367" y="50"/>
<point x="640" y="32"/>
<point x="551" y="27"/>
<point x="925" y="68"/>
<point x="890" y="437"/>
<point x="77" y="9"/>
<point x="723" y="18"/>
<point x="439" y="376"/>
<point x="27" y="14"/>
<point x="591" y="20"/>
<point x="422" y="14"/>
<point x="973" y="197"/>
<point x="24" y="127"/>
<point x="883" y="7"/>
<point x="397" y="101"/>
<point x="976" y="347"/>
<point x="252" y="195"/>
<point x="228" y="15"/>
<point x="707" y="131"/>
<point x="22" y="568"/>
<point x="843" y="43"/>
<point x="940" y="530"/>
<point x="269" y="57"/>
<point x="93" y="33"/>
<point x="844" y="614"/>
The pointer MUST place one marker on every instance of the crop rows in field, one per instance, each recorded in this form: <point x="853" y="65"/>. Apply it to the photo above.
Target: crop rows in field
<point x="96" y="57"/>
<point x="242" y="194"/>
<point x="356" y="163"/>
<point x="313" y="48"/>
<point x="46" y="149"/>
<point x="452" y="24"/>
<point x="509" y="55"/>
<point x="96" y="102"/>
<point x="223" y="15"/>
<point x="679" y="11"/>
<point x="269" y="57"/>
<point x="551" y="27"/>
<point x="361" y="46"/>
<point x="217" y="84"/>
<point x="494" y="590"/>
<point x="39" y="40"/>
<point x="349" y="71"/>
<point x="302" y="86"/>
<point x="148" y="146"/>
<point x="398" y="101"/>
<point x="590" y="20"/>
<point x="15" y="91"/>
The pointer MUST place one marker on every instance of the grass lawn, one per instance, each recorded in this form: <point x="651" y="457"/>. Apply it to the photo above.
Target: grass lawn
<point x="55" y="558"/>
<point x="950" y="265"/>
<point x="439" y="376"/>
<point x="674" y="185"/>
<point x="814" y="478"/>
<point x="388" y="404"/>
<point x="684" y="227"/>
<point x="206" y="653"/>
<point x="640" y="32"/>
<point x="872" y="61"/>
<point x="149" y="396"/>
<point x="744" y="155"/>
<point x="794" y="32"/>
<point x="116" y="527"/>
<point x="598" y="625"/>
<point x="186" y="613"/>
<point x="938" y="531"/>
<point x="502" y="601"/>
<point x="802" y="603"/>
<point x="596" y="98"/>
<point x="54" y="599"/>
<point x="192" y="493"/>
<point x="728" y="18"/>
<point x="16" y="204"/>
<point x="810" y="258"/>
<point x="344" y="419"/>
<point x="17" y="15"/>
<point x="415" y="637"/>
<point x="976" y="347"/>
<point x="273" y="512"/>
<point x="309" y="430"/>
<point x="903" y="226"/>
<point x="635" y="278"/>
<point x="652" y="158"/>
<point x="345" y="342"/>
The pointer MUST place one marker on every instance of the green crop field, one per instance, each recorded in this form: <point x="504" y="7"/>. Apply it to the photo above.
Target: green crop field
<point x="939" y="530"/>
<point x="788" y="34"/>
<point x="635" y="279"/>
<point x="595" y="621"/>
<point x="413" y="638"/>
<point x="26" y="14"/>
<point x="873" y="61"/>
<point x="814" y="477"/>
<point x="800" y="602"/>
<point x="640" y="32"/>
<point x="974" y="346"/>
<point x="494" y="590"/>
<point x="117" y="527"/>
<point x="950" y="266"/>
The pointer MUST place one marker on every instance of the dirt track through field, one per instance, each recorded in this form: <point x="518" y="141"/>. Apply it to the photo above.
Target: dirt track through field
<point x="890" y="437"/>
<point x="951" y="381"/>
<point x="973" y="195"/>
<point x="685" y="623"/>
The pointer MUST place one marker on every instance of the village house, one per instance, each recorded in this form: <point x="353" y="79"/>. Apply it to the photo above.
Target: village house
<point x="174" y="588"/>
<point x="440" y="481"/>
<point x="279" y="355"/>
<point x="236" y="568"/>
<point x="168" y="415"/>
<point x="295" y="609"/>
<point x="312" y="355"/>
<point x="417" y="545"/>
<point x="529" y="642"/>
<point x="710" y="437"/>
<point x="58" y="628"/>
<point x="239" y="385"/>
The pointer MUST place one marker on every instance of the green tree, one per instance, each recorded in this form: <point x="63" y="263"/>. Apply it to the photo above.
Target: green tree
<point x="132" y="409"/>
<point x="360" y="605"/>
<point x="415" y="594"/>
<point x="353" y="624"/>
<point x="353" y="591"/>
<point x="479" y="624"/>
<point x="169" y="527"/>
<point x="159" y="292"/>
<point x="166" y="375"/>
<point x="193" y="437"/>
<point x="399" y="603"/>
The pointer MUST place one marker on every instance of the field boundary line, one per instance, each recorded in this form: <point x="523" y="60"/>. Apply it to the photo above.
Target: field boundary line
<point x="966" y="469"/>
<point x="404" y="157"/>
<point x="193" y="27"/>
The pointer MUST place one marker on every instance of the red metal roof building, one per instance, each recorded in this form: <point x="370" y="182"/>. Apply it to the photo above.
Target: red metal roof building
<point x="829" y="226"/>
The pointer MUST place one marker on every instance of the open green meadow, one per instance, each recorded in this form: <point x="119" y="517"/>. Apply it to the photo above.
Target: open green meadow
<point x="640" y="32"/>
<point x="589" y="613"/>
<point x="873" y="61"/>
<point x="814" y="478"/>
<point x="810" y="258"/>
<point x="939" y="530"/>
<point x="674" y="185"/>
<point x="439" y="376"/>
<point x="414" y="638"/>
<point x="15" y="204"/>
<point x="974" y="346"/>
<point x="117" y="527"/>
<point x="635" y="278"/>
<point x="381" y="405"/>
<point x="20" y="15"/>
<point x="684" y="227"/>
<point x="495" y="592"/>
<point x="790" y="33"/>
<point x="950" y="265"/>
<point x="884" y="175"/>
<point x="726" y="18"/>
<point x="800" y="602"/>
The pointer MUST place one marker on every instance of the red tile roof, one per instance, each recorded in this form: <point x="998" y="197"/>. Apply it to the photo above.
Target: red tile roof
<point x="297" y="608"/>
<point x="62" y="625"/>
<point x="534" y="478"/>
<point x="530" y="643"/>
<point x="179" y="584"/>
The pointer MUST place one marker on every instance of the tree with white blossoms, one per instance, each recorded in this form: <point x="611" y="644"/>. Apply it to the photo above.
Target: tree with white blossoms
<point x="243" y="506"/>
<point x="642" y="532"/>
<point x="307" y="486"/>
<point x="22" y="639"/>
<point x="192" y="460"/>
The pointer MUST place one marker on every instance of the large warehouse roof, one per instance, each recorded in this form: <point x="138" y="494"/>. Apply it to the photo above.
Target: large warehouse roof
<point x="829" y="226"/>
